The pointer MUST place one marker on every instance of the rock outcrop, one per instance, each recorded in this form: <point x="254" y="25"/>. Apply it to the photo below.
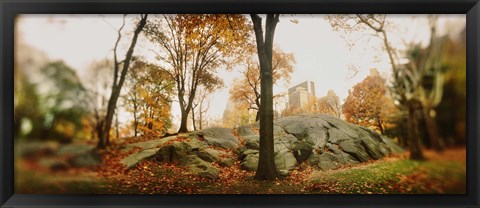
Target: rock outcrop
<point x="320" y="140"/>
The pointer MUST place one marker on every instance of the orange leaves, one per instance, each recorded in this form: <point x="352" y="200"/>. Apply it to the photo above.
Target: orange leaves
<point x="367" y="103"/>
<point x="245" y="91"/>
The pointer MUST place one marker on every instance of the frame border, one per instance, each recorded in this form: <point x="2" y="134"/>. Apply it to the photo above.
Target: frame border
<point x="10" y="8"/>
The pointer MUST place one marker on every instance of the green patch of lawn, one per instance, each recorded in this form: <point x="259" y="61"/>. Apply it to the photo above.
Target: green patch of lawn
<point x="393" y="177"/>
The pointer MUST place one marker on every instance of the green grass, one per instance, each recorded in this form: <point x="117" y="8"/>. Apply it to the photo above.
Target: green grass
<point x="402" y="176"/>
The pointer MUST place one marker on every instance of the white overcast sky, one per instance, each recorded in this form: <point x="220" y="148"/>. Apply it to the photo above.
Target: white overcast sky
<point x="322" y="54"/>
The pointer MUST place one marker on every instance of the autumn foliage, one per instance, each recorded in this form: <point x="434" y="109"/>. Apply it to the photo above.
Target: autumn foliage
<point x="368" y="103"/>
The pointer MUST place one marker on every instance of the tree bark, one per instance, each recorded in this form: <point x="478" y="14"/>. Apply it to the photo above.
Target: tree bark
<point x="432" y="130"/>
<point x="414" y="144"/>
<point x="116" y="88"/>
<point x="99" y="129"/>
<point x="193" y="119"/>
<point x="266" y="169"/>
<point x="183" y="122"/>
<point x="135" y="120"/>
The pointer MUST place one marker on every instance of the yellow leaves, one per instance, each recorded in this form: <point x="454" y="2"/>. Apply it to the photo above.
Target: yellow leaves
<point x="246" y="90"/>
<point x="368" y="104"/>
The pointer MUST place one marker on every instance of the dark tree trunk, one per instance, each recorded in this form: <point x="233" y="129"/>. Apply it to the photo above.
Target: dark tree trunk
<point x="432" y="130"/>
<point x="193" y="119"/>
<point x="257" y="116"/>
<point x="266" y="165"/>
<point x="380" y="125"/>
<point x="414" y="138"/>
<point x="117" y="130"/>
<point x="116" y="88"/>
<point x="135" y="120"/>
<point x="99" y="129"/>
<point x="183" y="123"/>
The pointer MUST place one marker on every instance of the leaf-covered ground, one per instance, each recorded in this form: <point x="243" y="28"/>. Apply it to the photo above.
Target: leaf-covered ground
<point x="440" y="173"/>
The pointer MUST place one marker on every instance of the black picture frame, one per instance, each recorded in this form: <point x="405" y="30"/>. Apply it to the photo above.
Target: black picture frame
<point x="10" y="8"/>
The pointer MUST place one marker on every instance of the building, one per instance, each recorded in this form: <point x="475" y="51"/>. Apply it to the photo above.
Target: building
<point x="299" y="95"/>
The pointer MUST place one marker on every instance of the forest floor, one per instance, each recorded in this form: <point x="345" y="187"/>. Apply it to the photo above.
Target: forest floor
<point x="443" y="173"/>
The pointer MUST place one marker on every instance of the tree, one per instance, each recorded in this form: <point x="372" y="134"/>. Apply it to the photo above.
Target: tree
<point x="452" y="125"/>
<point x="246" y="90"/>
<point x="330" y="104"/>
<point x="200" y="106"/>
<point x="367" y="103"/>
<point x="118" y="80"/>
<point x="266" y="165"/>
<point x="149" y="98"/>
<point x="97" y="85"/>
<point x="237" y="114"/>
<point x="56" y="95"/>
<point x="192" y="47"/>
<point x="376" y="24"/>
<point x="426" y="78"/>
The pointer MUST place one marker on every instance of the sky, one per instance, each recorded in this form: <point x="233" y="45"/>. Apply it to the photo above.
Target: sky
<point x="322" y="54"/>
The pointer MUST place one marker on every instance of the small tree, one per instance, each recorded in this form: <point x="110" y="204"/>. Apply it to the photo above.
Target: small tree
<point x="330" y="104"/>
<point x="192" y="47"/>
<point x="149" y="98"/>
<point x="119" y="74"/>
<point x="402" y="89"/>
<point x="246" y="90"/>
<point x="367" y="103"/>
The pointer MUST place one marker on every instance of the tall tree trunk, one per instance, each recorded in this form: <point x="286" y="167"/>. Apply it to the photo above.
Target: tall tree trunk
<point x="135" y="120"/>
<point x="99" y="129"/>
<point x="117" y="130"/>
<point x="432" y="130"/>
<point x="116" y="88"/>
<point x="266" y="169"/>
<point x="380" y="125"/>
<point x="193" y="119"/>
<point x="183" y="122"/>
<point x="414" y="138"/>
<point x="200" y="119"/>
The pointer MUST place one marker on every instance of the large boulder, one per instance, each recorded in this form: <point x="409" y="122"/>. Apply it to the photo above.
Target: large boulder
<point x="86" y="160"/>
<point x="285" y="160"/>
<point x="35" y="150"/>
<point x="250" y="162"/>
<point x="210" y="155"/>
<point x="135" y="158"/>
<point x="80" y="155"/>
<point x="302" y="150"/>
<point x="200" y="167"/>
<point x="220" y="137"/>
<point x="321" y="140"/>
<point x="149" y="144"/>
<point x="174" y="152"/>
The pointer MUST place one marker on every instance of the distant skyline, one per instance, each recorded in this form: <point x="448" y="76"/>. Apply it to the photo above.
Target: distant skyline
<point x="322" y="54"/>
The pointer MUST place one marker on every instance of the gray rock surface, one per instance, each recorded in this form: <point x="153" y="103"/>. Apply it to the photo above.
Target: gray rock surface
<point x="135" y="158"/>
<point x="220" y="137"/>
<point x="80" y="155"/>
<point x="200" y="167"/>
<point x="321" y="140"/>
<point x="86" y="160"/>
